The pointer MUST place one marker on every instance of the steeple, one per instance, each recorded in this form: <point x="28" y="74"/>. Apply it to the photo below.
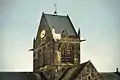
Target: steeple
<point x="55" y="12"/>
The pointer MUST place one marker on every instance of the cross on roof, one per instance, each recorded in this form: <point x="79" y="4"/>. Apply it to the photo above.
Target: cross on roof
<point x="55" y="12"/>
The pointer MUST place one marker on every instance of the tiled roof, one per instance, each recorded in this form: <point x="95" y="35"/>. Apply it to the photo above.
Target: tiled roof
<point x="60" y="23"/>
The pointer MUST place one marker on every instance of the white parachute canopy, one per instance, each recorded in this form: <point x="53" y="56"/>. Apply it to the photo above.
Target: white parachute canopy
<point x="56" y="36"/>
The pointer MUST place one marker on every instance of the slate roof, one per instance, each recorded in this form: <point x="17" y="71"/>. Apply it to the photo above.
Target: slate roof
<point x="60" y="23"/>
<point x="111" y="75"/>
<point x="73" y="72"/>
<point x="22" y="76"/>
<point x="13" y="76"/>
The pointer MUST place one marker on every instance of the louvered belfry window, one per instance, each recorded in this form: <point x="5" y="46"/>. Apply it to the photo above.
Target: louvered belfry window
<point x="66" y="53"/>
<point x="69" y="53"/>
<point x="63" y="53"/>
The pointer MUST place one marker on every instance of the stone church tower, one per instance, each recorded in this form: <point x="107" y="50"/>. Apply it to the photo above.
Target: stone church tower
<point x="56" y="52"/>
<point x="56" y="46"/>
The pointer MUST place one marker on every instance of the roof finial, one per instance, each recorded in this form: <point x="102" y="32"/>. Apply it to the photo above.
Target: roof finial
<point x="55" y="12"/>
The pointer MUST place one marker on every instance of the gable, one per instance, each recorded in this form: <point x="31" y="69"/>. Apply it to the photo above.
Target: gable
<point x="43" y="25"/>
<point x="89" y="72"/>
<point x="82" y="72"/>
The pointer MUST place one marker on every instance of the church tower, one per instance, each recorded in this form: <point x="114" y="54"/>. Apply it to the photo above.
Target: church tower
<point x="56" y="46"/>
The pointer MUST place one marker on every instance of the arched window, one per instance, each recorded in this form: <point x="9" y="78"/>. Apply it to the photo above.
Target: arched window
<point x="63" y="53"/>
<point x="66" y="53"/>
<point x="69" y="54"/>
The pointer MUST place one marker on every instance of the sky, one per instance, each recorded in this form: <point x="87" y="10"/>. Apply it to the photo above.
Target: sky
<point x="99" y="21"/>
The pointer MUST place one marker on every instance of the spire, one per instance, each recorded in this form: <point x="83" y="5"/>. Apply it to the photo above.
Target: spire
<point x="55" y="12"/>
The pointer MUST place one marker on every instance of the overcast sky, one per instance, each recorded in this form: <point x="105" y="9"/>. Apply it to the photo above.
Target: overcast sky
<point x="99" y="21"/>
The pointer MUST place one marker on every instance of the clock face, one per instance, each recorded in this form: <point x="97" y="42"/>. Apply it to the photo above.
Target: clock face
<point x="42" y="35"/>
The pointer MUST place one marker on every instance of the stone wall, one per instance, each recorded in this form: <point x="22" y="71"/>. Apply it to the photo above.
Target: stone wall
<point x="89" y="73"/>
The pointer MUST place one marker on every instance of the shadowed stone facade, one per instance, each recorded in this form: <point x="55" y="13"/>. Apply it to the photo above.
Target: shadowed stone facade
<point x="53" y="56"/>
